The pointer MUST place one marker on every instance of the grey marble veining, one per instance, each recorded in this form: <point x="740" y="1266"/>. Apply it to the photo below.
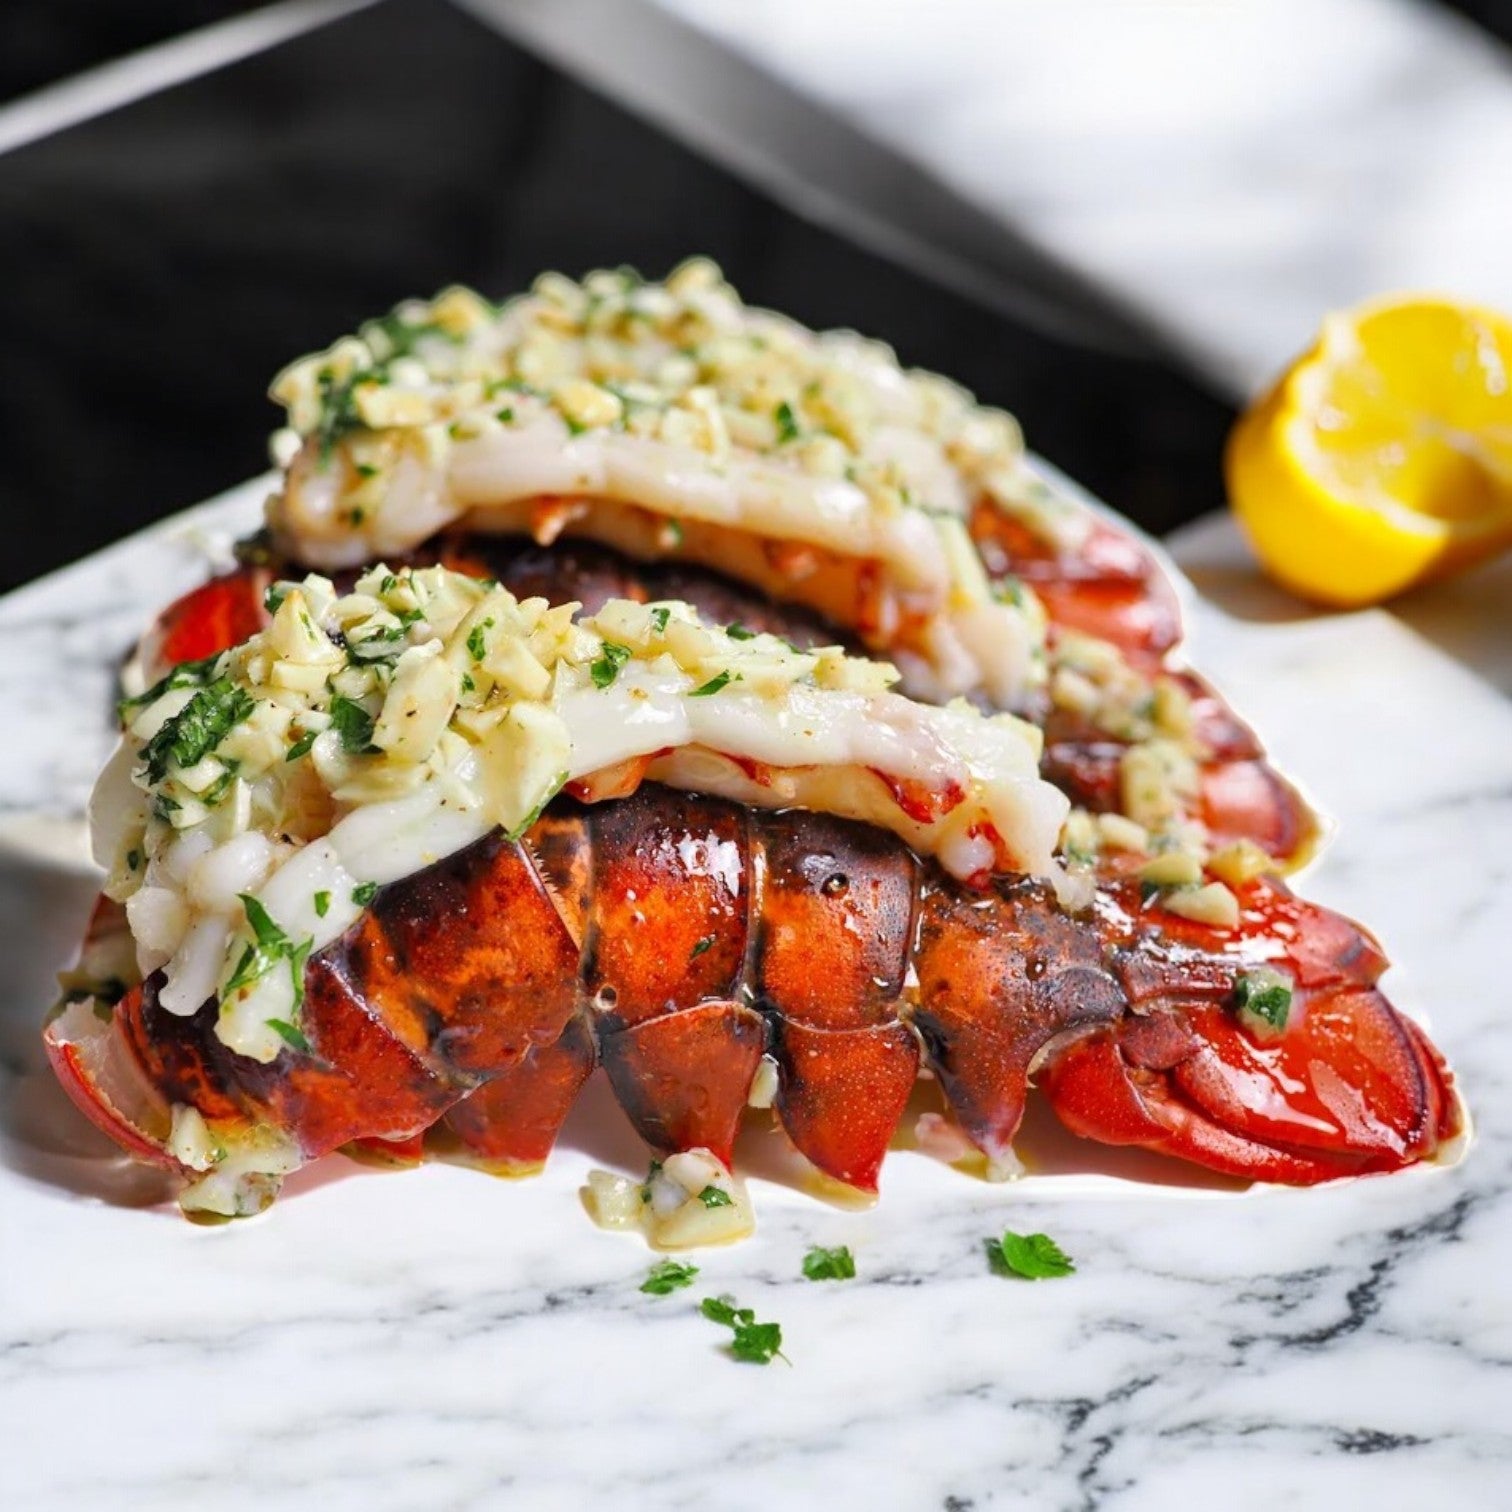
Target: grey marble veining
<point x="439" y="1340"/>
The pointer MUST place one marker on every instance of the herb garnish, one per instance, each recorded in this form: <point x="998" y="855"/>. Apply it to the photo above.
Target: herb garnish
<point x="270" y="946"/>
<point x="668" y="1276"/>
<point x="659" y="617"/>
<point x="197" y="728"/>
<point x="190" y="674"/>
<point x="753" y="1342"/>
<point x="217" y="789"/>
<point x="556" y="787"/>
<point x="700" y="946"/>
<point x="606" y="667"/>
<point x="715" y="1197"/>
<point x="289" y="1034"/>
<point x="713" y="685"/>
<point x="401" y="337"/>
<point x="836" y="1264"/>
<point x="1009" y="590"/>
<point x="1035" y="1257"/>
<point x="1264" y="997"/>
<point x="364" y="894"/>
<point x="338" y="407"/>
<point x="384" y="640"/>
<point x="737" y="631"/>
<point x="301" y="747"/>
<point x="354" y="724"/>
<point x="787" y="423"/>
<point x="477" y="646"/>
<point x="322" y="904"/>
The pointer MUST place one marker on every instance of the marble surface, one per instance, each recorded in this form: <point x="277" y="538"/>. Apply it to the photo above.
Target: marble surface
<point x="438" y="1340"/>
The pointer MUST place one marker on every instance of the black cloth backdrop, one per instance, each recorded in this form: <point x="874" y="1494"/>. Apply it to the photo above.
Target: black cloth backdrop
<point x="159" y="264"/>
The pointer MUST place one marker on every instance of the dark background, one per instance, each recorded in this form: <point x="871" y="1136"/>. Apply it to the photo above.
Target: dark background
<point x="159" y="264"/>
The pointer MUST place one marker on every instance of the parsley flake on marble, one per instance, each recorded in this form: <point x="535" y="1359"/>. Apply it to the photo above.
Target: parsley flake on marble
<point x="1034" y="1257"/>
<point x="836" y="1264"/>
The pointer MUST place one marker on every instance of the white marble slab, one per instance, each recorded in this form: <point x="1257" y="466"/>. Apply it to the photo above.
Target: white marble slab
<point x="438" y="1340"/>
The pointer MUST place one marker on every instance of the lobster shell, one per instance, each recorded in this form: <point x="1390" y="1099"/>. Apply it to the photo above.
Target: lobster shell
<point x="675" y="940"/>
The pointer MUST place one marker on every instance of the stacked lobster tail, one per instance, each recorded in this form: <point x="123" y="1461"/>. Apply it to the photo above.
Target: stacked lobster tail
<point x="1118" y="682"/>
<point x="618" y="447"/>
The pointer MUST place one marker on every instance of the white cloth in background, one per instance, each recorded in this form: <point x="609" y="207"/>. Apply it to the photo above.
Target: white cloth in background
<point x="1230" y="169"/>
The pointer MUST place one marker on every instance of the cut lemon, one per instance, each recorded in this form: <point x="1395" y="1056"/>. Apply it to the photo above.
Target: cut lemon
<point x="1383" y="458"/>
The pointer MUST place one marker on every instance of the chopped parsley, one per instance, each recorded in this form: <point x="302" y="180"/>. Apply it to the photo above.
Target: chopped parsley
<point x="605" y="667"/>
<point x="505" y="415"/>
<point x="715" y="1197"/>
<point x="1035" y="1257"/>
<point x="1265" y="997"/>
<point x="197" y="728"/>
<point x="383" y="642"/>
<point x="477" y="643"/>
<point x="366" y="470"/>
<point x="516" y="386"/>
<point x="668" y="1276"/>
<point x="274" y="597"/>
<point x="556" y="787"/>
<point x="1009" y="590"/>
<point x="354" y="724"/>
<point x="269" y="947"/>
<point x="787" y="423"/>
<point x="737" y="631"/>
<point x="400" y="337"/>
<point x="659" y="617"/>
<point x="700" y="947"/>
<point x="218" y="789"/>
<point x="836" y="1264"/>
<point x="190" y="674"/>
<point x="338" y="416"/>
<point x="301" y="747"/>
<point x="364" y="894"/>
<point x="756" y="1343"/>
<point x="713" y="685"/>
<point x="652" y="1172"/>
<point x="322" y="904"/>
<point x="289" y="1034"/>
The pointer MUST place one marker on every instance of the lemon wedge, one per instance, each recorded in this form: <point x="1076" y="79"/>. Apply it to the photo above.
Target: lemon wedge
<point x="1383" y="457"/>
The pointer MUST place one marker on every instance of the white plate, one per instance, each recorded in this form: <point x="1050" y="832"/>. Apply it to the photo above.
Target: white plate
<point x="436" y="1339"/>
